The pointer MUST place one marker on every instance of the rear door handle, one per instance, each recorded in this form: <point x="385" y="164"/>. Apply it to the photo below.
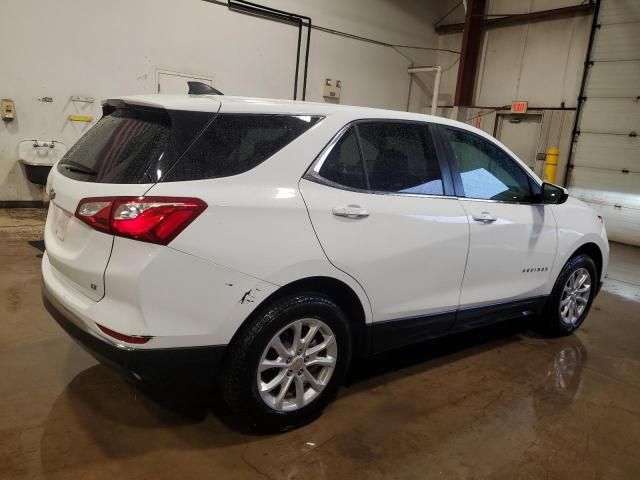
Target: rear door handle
<point x="484" y="217"/>
<point x="351" y="211"/>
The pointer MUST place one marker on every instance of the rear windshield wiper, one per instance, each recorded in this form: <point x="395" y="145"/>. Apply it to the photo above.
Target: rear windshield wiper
<point x="77" y="167"/>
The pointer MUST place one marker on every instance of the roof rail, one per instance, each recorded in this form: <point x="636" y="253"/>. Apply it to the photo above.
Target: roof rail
<point x="199" y="88"/>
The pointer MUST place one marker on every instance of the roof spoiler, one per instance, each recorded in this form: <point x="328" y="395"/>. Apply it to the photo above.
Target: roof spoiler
<point x="199" y="88"/>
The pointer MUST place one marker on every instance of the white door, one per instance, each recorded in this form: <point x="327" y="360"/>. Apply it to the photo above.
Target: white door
<point x="512" y="240"/>
<point x="387" y="223"/>
<point x="606" y="159"/>
<point x="521" y="133"/>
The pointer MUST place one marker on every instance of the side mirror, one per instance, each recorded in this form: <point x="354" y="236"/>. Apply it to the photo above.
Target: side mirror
<point x="553" y="194"/>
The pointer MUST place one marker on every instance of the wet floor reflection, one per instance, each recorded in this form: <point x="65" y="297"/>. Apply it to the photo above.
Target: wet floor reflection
<point x="100" y="416"/>
<point x="564" y="373"/>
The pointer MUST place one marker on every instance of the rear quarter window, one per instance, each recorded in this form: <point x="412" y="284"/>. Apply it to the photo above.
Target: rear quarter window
<point x="236" y="143"/>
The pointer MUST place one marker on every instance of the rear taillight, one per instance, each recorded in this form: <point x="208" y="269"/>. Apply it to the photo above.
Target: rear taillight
<point x="95" y="212"/>
<point x="148" y="219"/>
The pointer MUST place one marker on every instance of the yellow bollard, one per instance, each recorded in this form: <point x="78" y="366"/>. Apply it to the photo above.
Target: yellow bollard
<point x="551" y="165"/>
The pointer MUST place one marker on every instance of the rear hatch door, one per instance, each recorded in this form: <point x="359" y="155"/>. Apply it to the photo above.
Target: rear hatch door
<point x="78" y="253"/>
<point x="124" y="154"/>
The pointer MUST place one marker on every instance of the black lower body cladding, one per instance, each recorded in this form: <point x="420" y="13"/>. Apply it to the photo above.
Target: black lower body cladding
<point x="192" y="366"/>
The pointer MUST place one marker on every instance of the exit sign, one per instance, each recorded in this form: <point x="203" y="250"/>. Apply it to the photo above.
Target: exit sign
<point x="519" y="106"/>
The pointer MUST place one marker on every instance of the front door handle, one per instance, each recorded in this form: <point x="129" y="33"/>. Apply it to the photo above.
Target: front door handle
<point x="484" y="217"/>
<point x="351" y="211"/>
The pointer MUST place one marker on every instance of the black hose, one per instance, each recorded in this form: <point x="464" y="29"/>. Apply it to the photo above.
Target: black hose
<point x="269" y="13"/>
<point x="295" y="81"/>
<point x="581" y="98"/>
<point x="306" y="62"/>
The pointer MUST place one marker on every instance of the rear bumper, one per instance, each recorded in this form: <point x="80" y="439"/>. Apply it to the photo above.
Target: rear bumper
<point x="157" y="366"/>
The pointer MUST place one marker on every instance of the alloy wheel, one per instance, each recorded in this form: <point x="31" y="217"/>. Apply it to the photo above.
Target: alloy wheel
<point x="575" y="296"/>
<point x="297" y="364"/>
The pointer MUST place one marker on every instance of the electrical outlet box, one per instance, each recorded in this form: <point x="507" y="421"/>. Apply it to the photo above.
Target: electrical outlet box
<point x="330" y="91"/>
<point x="7" y="109"/>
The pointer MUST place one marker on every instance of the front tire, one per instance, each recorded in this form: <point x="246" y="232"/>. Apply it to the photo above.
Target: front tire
<point x="571" y="297"/>
<point x="288" y="362"/>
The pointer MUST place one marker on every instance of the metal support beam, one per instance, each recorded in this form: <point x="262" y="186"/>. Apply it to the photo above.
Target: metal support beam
<point x="471" y="45"/>
<point x="518" y="19"/>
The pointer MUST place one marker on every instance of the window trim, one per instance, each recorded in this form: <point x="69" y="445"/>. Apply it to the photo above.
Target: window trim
<point x="312" y="172"/>
<point x="457" y="177"/>
<point x="365" y="170"/>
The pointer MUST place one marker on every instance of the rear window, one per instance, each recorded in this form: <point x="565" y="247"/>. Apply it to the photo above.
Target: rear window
<point x="132" y="145"/>
<point x="146" y="145"/>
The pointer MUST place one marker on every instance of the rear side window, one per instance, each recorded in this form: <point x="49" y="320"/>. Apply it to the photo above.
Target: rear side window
<point x="236" y="143"/>
<point x="132" y="145"/>
<point x="394" y="157"/>
<point x="400" y="157"/>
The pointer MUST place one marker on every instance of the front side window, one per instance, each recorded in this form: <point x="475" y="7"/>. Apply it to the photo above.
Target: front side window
<point x="487" y="172"/>
<point x="385" y="156"/>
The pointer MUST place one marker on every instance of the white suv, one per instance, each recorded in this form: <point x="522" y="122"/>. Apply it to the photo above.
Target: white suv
<point x="268" y="243"/>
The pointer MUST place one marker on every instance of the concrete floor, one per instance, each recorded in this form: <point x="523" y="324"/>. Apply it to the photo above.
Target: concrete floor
<point x="501" y="403"/>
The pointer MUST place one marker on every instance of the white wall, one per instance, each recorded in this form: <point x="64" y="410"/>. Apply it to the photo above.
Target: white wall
<point x="541" y="62"/>
<point x="101" y="49"/>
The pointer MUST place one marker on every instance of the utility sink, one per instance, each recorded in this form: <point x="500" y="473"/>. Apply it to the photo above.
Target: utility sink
<point x="38" y="157"/>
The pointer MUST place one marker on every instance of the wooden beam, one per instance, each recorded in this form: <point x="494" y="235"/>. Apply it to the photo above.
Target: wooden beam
<point x="520" y="18"/>
<point x="471" y="44"/>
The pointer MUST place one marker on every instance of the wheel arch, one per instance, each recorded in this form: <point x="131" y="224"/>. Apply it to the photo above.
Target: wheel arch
<point x="343" y="294"/>
<point x="593" y="251"/>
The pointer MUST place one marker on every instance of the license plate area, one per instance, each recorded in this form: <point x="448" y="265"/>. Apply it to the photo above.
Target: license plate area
<point x="61" y="223"/>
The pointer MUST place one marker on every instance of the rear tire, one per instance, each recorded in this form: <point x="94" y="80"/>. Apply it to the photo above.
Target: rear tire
<point x="287" y="363"/>
<point x="571" y="297"/>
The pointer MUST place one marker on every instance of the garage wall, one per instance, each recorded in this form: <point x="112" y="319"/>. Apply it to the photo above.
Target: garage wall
<point x="539" y="62"/>
<point x="543" y="63"/>
<point x="101" y="49"/>
<point x="606" y="162"/>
